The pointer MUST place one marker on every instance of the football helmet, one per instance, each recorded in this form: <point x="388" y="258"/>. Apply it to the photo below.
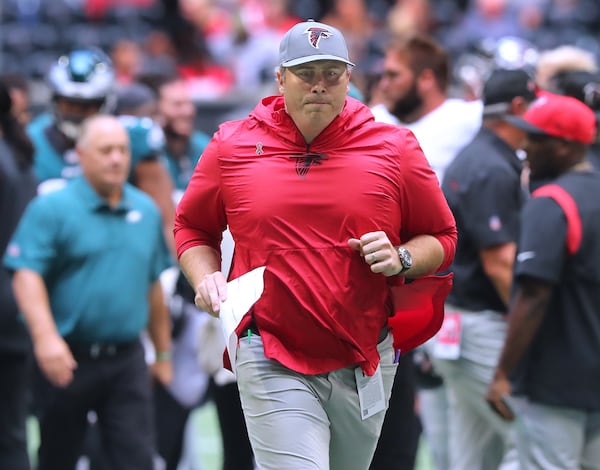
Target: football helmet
<point x="85" y="77"/>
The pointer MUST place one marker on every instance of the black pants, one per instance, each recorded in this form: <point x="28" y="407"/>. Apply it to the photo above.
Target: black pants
<point x="116" y="386"/>
<point x="171" y="419"/>
<point x="399" y="439"/>
<point x="15" y="370"/>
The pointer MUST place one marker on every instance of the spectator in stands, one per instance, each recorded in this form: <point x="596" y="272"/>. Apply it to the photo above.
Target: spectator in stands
<point x="361" y="29"/>
<point x="206" y="78"/>
<point x="214" y="23"/>
<point x="410" y="17"/>
<point x="127" y="59"/>
<point x="254" y="54"/>
<point x="159" y="54"/>
<point x="484" y="20"/>
<point x="565" y="22"/>
<point x="17" y="188"/>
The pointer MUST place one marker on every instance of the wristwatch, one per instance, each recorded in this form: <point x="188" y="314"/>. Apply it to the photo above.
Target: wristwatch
<point x="405" y="259"/>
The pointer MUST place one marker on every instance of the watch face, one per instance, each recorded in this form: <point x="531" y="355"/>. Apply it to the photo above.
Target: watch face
<point x="405" y="258"/>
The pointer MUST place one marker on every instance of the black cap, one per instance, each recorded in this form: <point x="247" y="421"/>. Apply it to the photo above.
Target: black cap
<point x="579" y="84"/>
<point x="503" y="86"/>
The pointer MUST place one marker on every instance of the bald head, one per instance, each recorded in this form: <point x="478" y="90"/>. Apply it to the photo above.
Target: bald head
<point x="99" y="123"/>
<point x="103" y="149"/>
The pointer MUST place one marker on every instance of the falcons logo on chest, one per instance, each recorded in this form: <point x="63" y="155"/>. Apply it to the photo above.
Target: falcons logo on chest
<point x="316" y="34"/>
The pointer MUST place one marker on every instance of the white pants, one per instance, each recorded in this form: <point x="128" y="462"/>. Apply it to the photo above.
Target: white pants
<point x="307" y="422"/>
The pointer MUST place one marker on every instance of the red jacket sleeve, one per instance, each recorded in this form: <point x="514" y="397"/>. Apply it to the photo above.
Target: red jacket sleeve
<point x="424" y="207"/>
<point x="200" y="216"/>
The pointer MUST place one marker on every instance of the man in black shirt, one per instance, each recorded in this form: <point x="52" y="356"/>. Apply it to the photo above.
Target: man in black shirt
<point x="483" y="189"/>
<point x="551" y="349"/>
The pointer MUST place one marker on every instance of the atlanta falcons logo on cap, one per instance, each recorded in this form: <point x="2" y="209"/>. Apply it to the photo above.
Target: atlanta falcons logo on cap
<point x="315" y="34"/>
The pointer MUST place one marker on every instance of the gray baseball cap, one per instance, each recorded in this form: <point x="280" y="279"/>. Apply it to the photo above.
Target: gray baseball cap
<point x="310" y="41"/>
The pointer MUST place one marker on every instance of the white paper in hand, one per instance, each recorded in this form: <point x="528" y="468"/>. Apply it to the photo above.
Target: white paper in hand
<point x="242" y="294"/>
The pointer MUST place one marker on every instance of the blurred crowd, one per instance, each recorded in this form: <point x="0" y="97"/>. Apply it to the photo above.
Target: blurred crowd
<point x="227" y="49"/>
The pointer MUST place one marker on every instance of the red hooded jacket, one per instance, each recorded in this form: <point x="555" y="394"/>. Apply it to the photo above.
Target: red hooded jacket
<point x="292" y="208"/>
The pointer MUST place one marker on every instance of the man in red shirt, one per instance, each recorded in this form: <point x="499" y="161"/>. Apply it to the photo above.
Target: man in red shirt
<point x="339" y="209"/>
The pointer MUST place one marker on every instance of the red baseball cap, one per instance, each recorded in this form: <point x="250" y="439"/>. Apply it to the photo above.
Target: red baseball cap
<point x="558" y="116"/>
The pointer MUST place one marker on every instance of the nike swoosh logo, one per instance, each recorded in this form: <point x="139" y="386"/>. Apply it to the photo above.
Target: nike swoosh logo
<point x="524" y="256"/>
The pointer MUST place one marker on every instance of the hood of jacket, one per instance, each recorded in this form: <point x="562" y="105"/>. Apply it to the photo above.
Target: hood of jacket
<point x="271" y="113"/>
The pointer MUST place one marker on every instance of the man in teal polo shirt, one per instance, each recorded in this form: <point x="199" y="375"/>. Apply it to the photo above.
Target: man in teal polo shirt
<point x="86" y="262"/>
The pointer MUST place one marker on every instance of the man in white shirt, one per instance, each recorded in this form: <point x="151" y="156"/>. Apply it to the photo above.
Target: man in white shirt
<point x="414" y="87"/>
